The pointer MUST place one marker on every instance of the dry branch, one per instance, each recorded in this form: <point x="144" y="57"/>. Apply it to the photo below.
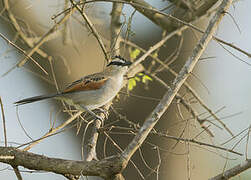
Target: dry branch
<point x="4" y="123"/>
<point x="54" y="130"/>
<point x="178" y="82"/>
<point x="111" y="167"/>
<point x="103" y="168"/>
<point x="90" y="147"/>
<point x="233" y="171"/>
<point x="186" y="85"/>
<point x="92" y="28"/>
<point x="115" y="28"/>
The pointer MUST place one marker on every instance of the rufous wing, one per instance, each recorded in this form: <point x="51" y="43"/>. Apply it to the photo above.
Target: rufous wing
<point x="86" y="85"/>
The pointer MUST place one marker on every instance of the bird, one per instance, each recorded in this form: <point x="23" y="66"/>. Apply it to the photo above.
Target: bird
<point x="92" y="91"/>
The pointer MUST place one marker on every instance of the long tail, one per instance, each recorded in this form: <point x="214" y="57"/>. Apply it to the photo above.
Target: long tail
<point x="35" y="98"/>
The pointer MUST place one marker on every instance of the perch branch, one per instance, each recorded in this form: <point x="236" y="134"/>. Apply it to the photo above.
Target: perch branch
<point x="90" y="147"/>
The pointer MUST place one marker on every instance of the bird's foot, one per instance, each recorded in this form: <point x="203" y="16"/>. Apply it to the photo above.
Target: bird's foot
<point x="104" y="111"/>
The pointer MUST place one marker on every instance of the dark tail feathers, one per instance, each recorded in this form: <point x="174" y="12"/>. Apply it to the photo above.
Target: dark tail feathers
<point x="34" y="99"/>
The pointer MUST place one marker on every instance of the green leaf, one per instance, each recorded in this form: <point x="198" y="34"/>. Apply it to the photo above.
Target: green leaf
<point x="145" y="78"/>
<point x="131" y="84"/>
<point x="134" y="54"/>
<point x="137" y="78"/>
<point x="133" y="81"/>
<point x="140" y="74"/>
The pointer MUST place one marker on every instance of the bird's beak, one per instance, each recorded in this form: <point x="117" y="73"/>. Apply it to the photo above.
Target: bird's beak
<point x="127" y="63"/>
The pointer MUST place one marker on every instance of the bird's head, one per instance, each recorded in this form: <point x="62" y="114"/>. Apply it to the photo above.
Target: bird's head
<point x="119" y="64"/>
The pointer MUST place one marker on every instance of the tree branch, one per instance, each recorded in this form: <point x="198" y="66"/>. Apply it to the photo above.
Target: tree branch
<point x="17" y="172"/>
<point x="90" y="147"/>
<point x="103" y="168"/>
<point x="115" y="28"/>
<point x="92" y="28"/>
<point x="35" y="45"/>
<point x="72" y="118"/>
<point x="179" y="80"/>
<point x="233" y="171"/>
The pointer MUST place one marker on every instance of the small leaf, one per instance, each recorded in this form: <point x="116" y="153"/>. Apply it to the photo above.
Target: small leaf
<point x="145" y="78"/>
<point x="134" y="54"/>
<point x="137" y="78"/>
<point x="140" y="74"/>
<point x="131" y="84"/>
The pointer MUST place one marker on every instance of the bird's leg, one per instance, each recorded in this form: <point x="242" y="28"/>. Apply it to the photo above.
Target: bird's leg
<point x="104" y="111"/>
<point x="89" y="111"/>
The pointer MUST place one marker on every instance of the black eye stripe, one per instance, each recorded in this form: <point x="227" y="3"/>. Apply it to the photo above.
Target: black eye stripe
<point x="116" y="63"/>
<point x="119" y="61"/>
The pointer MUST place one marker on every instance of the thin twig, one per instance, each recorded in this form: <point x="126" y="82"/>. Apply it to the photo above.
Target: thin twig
<point x="35" y="47"/>
<point x="189" y="108"/>
<point x="30" y="41"/>
<point x="90" y="147"/>
<point x="147" y="7"/>
<point x="197" y="142"/>
<point x="248" y="136"/>
<point x="186" y="85"/>
<point x="120" y="149"/>
<point x="144" y="161"/>
<point x="92" y="28"/>
<point x="54" y="130"/>
<point x="230" y="139"/>
<point x="66" y="29"/>
<point x="23" y="52"/>
<point x="17" y="172"/>
<point x="41" y="138"/>
<point x="22" y="127"/>
<point x="4" y="124"/>
<point x="177" y="83"/>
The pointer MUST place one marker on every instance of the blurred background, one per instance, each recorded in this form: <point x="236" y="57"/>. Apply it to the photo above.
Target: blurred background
<point x="222" y="81"/>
